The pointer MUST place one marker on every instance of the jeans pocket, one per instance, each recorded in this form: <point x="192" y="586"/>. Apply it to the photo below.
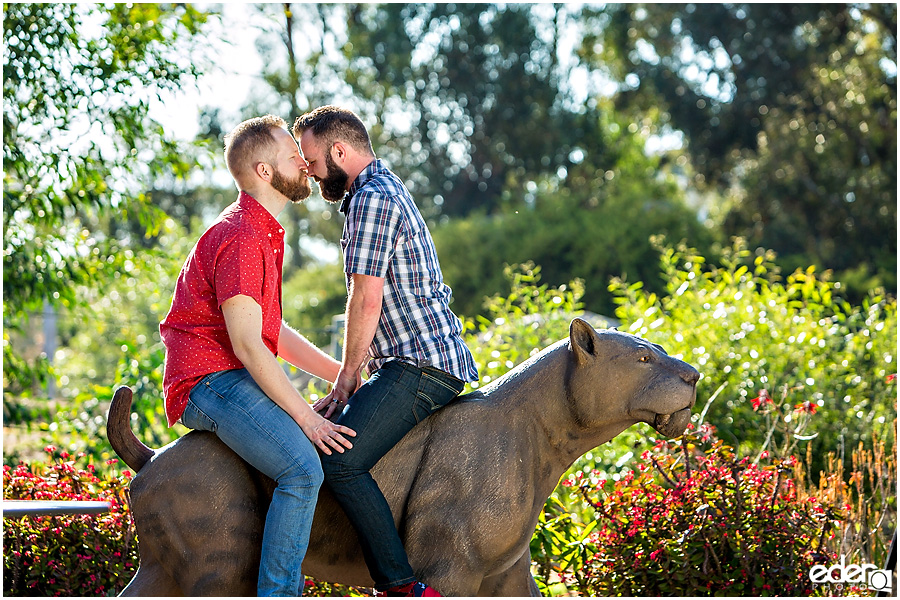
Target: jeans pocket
<point x="194" y="418"/>
<point x="222" y="383"/>
<point x="435" y="391"/>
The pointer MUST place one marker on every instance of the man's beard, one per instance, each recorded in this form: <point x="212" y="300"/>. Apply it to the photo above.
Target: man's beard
<point x="295" y="191"/>
<point x="334" y="186"/>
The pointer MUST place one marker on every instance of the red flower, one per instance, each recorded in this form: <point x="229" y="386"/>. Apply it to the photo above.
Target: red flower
<point x="762" y="399"/>
<point x="807" y="407"/>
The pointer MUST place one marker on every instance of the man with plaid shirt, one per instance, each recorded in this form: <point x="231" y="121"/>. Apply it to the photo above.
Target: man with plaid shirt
<point x="398" y="325"/>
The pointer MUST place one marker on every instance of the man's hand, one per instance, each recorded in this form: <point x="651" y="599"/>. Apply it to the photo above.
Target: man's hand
<point x="326" y="435"/>
<point x="346" y="383"/>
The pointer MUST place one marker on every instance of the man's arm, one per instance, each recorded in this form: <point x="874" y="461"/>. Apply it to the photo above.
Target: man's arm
<point x="243" y="320"/>
<point x="364" y="304"/>
<point x="303" y="354"/>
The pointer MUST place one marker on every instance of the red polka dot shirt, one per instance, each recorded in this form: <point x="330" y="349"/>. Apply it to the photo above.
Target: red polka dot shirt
<point x="240" y="254"/>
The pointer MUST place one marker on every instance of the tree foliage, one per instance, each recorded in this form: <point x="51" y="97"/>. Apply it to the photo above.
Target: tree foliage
<point x="792" y="107"/>
<point x="476" y="106"/>
<point x="77" y="83"/>
<point x="598" y="227"/>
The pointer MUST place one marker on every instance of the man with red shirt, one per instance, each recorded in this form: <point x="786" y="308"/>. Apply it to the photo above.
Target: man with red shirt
<point x="223" y="333"/>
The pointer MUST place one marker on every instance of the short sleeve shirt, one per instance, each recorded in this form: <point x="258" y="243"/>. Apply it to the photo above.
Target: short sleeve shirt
<point x="240" y="254"/>
<point x="385" y="236"/>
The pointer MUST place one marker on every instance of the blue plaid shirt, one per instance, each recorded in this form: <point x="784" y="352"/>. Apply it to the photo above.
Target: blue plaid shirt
<point x="385" y="236"/>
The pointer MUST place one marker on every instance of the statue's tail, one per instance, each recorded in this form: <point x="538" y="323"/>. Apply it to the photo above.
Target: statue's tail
<point x="118" y="429"/>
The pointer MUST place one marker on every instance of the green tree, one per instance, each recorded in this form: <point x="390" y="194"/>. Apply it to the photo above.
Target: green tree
<point x="791" y="107"/>
<point x="77" y="145"/>
<point x="595" y="226"/>
<point x="822" y="188"/>
<point x="481" y="92"/>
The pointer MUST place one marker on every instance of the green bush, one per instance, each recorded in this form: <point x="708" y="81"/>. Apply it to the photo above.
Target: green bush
<point x="795" y="341"/>
<point x="521" y="323"/>
<point x="590" y="234"/>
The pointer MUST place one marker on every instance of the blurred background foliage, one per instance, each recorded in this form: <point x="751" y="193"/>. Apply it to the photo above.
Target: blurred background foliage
<point x="718" y="178"/>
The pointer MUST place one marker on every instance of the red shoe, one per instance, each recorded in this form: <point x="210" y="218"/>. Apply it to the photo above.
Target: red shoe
<point x="410" y="590"/>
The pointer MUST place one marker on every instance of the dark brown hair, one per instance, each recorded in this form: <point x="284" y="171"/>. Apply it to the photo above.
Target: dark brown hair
<point x="332" y="124"/>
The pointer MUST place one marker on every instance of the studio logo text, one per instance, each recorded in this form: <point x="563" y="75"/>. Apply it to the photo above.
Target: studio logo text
<point x="863" y="576"/>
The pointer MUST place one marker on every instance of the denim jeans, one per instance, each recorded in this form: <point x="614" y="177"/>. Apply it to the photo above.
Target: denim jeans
<point x="382" y="411"/>
<point x="231" y="405"/>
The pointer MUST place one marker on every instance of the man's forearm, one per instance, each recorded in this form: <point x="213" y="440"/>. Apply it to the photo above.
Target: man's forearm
<point x="303" y="354"/>
<point x="363" y="313"/>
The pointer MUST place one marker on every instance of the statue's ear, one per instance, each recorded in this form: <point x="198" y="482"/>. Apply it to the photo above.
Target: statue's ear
<point x="582" y="340"/>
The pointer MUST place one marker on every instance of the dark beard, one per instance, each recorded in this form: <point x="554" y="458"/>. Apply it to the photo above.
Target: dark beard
<point x="334" y="186"/>
<point x="295" y="191"/>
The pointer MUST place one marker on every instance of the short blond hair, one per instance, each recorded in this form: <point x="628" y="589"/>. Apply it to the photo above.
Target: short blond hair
<point x="251" y="143"/>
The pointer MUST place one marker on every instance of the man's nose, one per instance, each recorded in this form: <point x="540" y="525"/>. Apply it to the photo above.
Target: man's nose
<point x="304" y="166"/>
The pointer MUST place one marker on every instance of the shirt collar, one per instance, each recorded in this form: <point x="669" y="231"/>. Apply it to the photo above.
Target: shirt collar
<point x="371" y="169"/>
<point x="261" y="217"/>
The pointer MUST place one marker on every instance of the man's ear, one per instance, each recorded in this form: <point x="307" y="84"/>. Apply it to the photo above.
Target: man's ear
<point x="339" y="152"/>
<point x="264" y="171"/>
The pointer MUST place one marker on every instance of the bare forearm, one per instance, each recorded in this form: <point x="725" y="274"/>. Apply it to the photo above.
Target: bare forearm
<point x="364" y="306"/>
<point x="303" y="354"/>
<point x="363" y="313"/>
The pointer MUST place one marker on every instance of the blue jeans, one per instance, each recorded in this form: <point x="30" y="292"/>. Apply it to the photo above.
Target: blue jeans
<point x="231" y="405"/>
<point x="382" y="411"/>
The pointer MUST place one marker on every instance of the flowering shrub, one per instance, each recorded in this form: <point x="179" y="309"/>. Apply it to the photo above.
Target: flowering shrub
<point x="697" y="519"/>
<point x="70" y="555"/>
<point x="747" y="328"/>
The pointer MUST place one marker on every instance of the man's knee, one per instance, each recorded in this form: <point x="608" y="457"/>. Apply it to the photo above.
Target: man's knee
<point x="338" y="465"/>
<point x="306" y="475"/>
